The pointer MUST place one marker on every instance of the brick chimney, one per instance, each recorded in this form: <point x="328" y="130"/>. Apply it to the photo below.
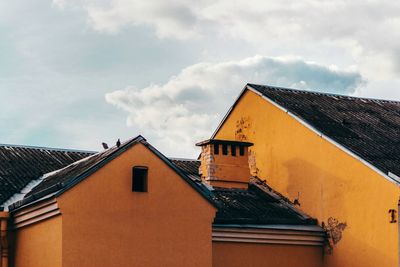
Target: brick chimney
<point x="225" y="163"/>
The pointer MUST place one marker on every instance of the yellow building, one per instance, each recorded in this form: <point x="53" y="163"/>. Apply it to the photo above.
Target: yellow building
<point x="336" y="156"/>
<point x="289" y="178"/>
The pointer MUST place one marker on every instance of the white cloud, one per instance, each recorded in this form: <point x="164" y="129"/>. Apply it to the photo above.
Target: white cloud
<point x="369" y="31"/>
<point x="176" y="18"/>
<point x="188" y="106"/>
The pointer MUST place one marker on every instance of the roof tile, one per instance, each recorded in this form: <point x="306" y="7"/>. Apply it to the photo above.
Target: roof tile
<point x="370" y="128"/>
<point x="19" y="165"/>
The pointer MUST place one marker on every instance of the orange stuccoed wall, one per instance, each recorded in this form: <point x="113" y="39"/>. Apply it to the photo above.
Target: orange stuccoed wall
<point x="104" y="223"/>
<point x="230" y="254"/>
<point x="39" y="245"/>
<point x="351" y="199"/>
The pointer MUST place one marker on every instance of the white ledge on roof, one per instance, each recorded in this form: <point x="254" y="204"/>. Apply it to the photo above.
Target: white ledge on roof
<point x="20" y="195"/>
<point x="32" y="184"/>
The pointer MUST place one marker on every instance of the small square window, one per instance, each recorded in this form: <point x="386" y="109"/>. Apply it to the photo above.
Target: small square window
<point x="139" y="179"/>
<point x="224" y="149"/>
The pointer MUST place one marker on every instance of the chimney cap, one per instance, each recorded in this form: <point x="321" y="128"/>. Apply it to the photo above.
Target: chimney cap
<point x="225" y="142"/>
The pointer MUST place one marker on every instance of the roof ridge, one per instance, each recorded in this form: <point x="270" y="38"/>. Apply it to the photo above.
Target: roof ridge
<point x="309" y="91"/>
<point x="48" y="148"/>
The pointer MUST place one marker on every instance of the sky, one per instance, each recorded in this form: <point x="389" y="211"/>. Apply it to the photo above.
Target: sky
<point x="76" y="73"/>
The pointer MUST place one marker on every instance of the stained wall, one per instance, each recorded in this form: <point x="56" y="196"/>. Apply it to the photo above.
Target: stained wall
<point x="351" y="199"/>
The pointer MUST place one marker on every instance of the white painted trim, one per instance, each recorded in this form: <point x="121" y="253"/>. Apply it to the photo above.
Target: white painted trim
<point x="36" y="213"/>
<point x="20" y="195"/>
<point x="266" y="235"/>
<point x="310" y="127"/>
<point x="394" y="177"/>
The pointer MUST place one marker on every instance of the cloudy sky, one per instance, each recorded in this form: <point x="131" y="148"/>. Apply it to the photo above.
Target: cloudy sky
<point x="79" y="72"/>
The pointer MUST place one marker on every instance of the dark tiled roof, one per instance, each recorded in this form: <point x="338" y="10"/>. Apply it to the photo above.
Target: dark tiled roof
<point x="369" y="128"/>
<point x="63" y="179"/>
<point x="19" y="165"/>
<point x="258" y="204"/>
<point x="188" y="166"/>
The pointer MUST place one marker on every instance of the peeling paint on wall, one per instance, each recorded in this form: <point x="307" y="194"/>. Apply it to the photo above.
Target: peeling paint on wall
<point x="242" y="131"/>
<point x="334" y="230"/>
<point x="243" y="126"/>
<point x="252" y="163"/>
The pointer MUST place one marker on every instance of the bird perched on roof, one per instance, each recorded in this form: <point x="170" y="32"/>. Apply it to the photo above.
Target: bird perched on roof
<point x="105" y="146"/>
<point x="118" y="143"/>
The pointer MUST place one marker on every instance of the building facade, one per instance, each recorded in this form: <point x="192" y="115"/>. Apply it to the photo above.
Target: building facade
<point x="131" y="206"/>
<point x="335" y="156"/>
<point x="289" y="178"/>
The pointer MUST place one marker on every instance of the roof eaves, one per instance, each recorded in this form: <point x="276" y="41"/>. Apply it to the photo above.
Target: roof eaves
<point x="227" y="142"/>
<point x="31" y="202"/>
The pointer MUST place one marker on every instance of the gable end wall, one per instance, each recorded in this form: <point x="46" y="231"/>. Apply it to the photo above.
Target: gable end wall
<point x="328" y="182"/>
<point x="106" y="224"/>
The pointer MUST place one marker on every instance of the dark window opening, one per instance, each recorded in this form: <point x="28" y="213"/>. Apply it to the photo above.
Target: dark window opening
<point x="241" y="150"/>
<point x="216" y="149"/>
<point x="224" y="149"/>
<point x="233" y="150"/>
<point x="139" y="179"/>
